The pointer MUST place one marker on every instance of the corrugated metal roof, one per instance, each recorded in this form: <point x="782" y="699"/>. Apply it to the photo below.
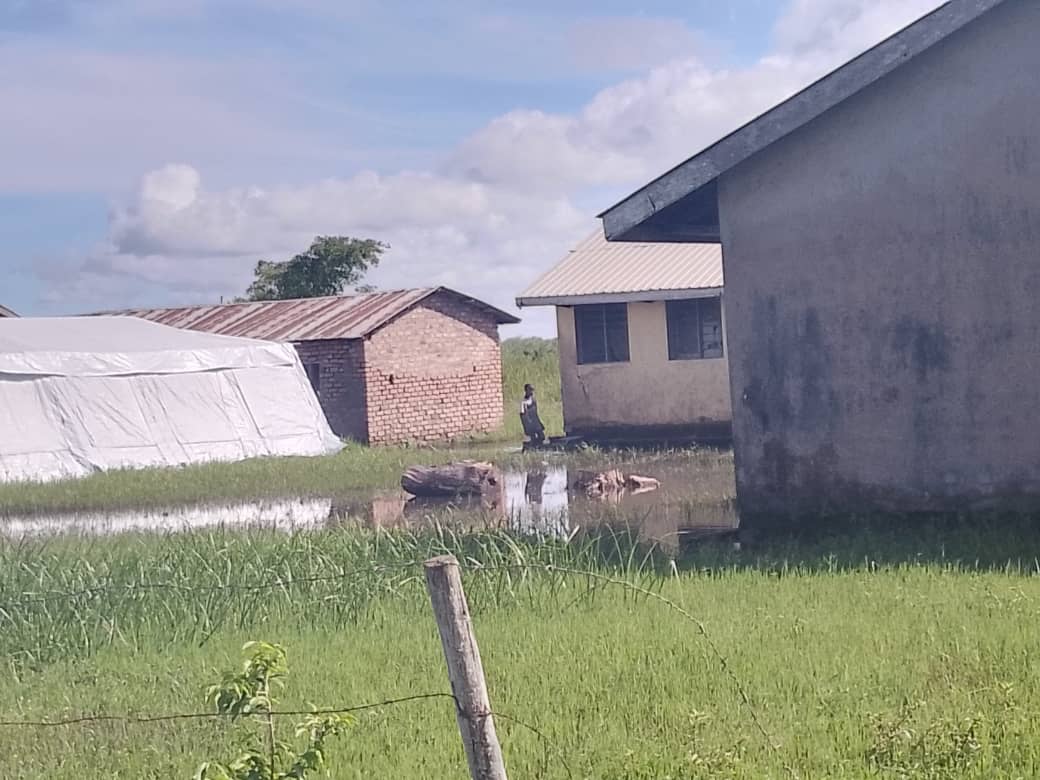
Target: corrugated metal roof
<point x="598" y="268"/>
<point x="305" y="319"/>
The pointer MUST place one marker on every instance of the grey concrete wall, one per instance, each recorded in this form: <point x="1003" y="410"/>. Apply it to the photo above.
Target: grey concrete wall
<point x="883" y="290"/>
<point x="649" y="395"/>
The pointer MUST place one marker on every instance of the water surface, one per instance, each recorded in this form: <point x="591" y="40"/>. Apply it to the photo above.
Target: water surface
<point x="540" y="500"/>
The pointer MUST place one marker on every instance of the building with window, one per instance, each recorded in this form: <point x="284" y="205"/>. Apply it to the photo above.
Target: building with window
<point x="881" y="231"/>
<point x="388" y="367"/>
<point x="641" y="337"/>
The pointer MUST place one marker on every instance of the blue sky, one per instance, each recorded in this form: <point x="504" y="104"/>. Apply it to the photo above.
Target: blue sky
<point x="155" y="149"/>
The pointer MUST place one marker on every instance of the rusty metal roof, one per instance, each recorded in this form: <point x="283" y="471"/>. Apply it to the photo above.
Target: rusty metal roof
<point x="304" y="319"/>
<point x="598" y="271"/>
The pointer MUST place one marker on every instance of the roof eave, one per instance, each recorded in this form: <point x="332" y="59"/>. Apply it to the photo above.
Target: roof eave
<point x="372" y="312"/>
<point x="645" y="296"/>
<point x="629" y="220"/>
<point x="501" y="317"/>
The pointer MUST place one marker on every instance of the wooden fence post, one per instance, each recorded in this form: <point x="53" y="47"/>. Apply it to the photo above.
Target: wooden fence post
<point x="465" y="671"/>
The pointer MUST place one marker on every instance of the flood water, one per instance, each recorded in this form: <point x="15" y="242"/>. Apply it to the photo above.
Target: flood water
<point x="541" y="501"/>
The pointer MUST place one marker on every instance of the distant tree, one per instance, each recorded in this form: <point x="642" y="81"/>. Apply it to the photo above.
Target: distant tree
<point x="330" y="266"/>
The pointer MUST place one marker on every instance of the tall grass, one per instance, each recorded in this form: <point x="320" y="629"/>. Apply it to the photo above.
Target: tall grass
<point x="68" y="597"/>
<point x="910" y="656"/>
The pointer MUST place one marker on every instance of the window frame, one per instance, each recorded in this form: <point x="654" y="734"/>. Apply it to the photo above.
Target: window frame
<point x="604" y="312"/>
<point x="680" y="337"/>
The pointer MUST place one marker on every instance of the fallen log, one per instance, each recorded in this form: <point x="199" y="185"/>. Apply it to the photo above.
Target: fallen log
<point x="467" y="478"/>
<point x="639" y="484"/>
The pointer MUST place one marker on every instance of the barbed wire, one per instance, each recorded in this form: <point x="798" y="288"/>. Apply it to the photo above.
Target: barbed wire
<point x="705" y="635"/>
<point x="274" y="584"/>
<point x="83" y="720"/>
<point x="139" y="720"/>
<point x="473" y="566"/>
<point x="549" y="744"/>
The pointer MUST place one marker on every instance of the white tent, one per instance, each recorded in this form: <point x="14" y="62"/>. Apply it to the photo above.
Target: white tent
<point x="86" y="394"/>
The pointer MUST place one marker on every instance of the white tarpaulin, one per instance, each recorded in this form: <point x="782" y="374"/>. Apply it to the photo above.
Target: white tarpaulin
<point x="86" y="394"/>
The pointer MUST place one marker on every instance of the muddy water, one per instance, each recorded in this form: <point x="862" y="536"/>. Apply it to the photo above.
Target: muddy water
<point x="539" y="501"/>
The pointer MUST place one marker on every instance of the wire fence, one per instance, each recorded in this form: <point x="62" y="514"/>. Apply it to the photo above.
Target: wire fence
<point x="138" y="720"/>
<point x="30" y="600"/>
<point x="278" y="583"/>
<point x="131" y="720"/>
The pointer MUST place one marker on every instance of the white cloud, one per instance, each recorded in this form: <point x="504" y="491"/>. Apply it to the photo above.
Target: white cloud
<point x="825" y="29"/>
<point x="502" y="206"/>
<point x="631" y="43"/>
<point x="197" y="244"/>
<point x="88" y="120"/>
<point x="637" y="129"/>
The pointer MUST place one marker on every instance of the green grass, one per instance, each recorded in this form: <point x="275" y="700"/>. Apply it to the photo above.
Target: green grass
<point x="878" y="652"/>
<point x="356" y="468"/>
<point x="537" y="362"/>
<point x="870" y="650"/>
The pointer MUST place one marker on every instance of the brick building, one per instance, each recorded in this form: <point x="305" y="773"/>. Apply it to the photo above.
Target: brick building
<point x="388" y="367"/>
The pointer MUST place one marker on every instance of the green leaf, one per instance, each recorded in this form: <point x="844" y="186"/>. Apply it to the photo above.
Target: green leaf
<point x="330" y="266"/>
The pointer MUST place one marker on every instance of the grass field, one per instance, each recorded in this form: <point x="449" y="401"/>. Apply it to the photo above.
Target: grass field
<point x="877" y="652"/>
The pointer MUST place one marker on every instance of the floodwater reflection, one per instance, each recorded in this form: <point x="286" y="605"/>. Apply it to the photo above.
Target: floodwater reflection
<point x="541" y="502"/>
<point x="284" y="515"/>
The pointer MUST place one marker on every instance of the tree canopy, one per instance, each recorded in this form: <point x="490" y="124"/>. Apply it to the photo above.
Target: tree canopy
<point x="330" y="266"/>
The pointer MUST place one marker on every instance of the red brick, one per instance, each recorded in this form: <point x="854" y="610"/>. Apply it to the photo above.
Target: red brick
<point x="446" y="365"/>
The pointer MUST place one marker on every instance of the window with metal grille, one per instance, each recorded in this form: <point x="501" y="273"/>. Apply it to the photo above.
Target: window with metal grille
<point x="601" y="331"/>
<point x="695" y="329"/>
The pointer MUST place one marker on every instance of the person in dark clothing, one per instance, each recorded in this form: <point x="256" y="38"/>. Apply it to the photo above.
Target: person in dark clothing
<point x="532" y="424"/>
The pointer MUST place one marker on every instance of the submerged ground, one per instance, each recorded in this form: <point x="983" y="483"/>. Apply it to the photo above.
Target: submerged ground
<point x="895" y="649"/>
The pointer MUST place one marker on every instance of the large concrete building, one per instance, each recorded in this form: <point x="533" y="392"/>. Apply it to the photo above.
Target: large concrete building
<point x="881" y="236"/>
<point x="388" y="367"/>
<point x="642" y="351"/>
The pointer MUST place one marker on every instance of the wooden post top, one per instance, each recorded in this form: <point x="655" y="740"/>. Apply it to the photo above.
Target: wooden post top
<point x="441" y="561"/>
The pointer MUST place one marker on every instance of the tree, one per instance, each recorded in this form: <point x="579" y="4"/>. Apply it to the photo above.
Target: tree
<point x="330" y="266"/>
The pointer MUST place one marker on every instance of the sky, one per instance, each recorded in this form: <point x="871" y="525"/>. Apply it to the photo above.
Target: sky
<point x="152" y="151"/>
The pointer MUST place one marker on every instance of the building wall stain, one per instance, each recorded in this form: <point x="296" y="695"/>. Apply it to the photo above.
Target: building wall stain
<point x="924" y="347"/>
<point x="881" y="284"/>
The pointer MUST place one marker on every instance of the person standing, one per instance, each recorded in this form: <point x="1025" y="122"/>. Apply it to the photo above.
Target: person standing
<point x="532" y="424"/>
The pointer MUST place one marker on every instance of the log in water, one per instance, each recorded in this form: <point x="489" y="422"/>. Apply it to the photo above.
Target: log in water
<point x="467" y="478"/>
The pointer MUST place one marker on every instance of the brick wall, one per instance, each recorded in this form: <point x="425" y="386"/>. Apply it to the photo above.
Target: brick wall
<point x="434" y="373"/>
<point x="337" y="366"/>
